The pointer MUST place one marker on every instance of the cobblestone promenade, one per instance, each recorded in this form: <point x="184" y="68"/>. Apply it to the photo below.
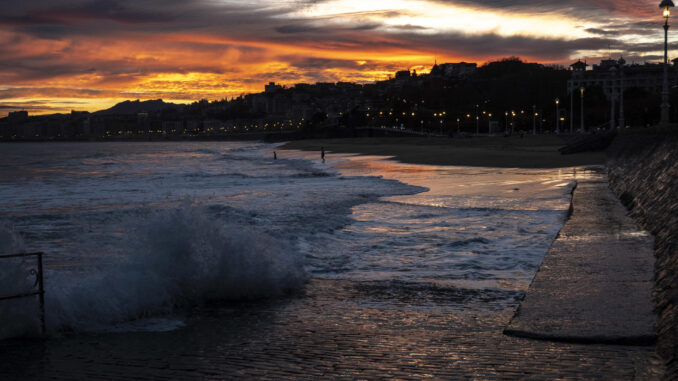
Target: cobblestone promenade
<point x="332" y="330"/>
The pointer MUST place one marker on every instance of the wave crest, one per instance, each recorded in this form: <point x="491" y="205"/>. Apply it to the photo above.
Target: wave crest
<point x="173" y="258"/>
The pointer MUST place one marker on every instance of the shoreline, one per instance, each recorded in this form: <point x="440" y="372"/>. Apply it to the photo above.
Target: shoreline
<point x="538" y="152"/>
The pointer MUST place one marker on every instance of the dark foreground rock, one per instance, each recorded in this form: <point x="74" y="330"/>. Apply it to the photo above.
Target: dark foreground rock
<point x="643" y="172"/>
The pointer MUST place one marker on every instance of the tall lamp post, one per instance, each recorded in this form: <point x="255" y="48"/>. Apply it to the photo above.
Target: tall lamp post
<point x="572" y="111"/>
<point x="557" y="116"/>
<point x="534" y="119"/>
<point x="506" y="124"/>
<point x="581" y="96"/>
<point x="489" y="124"/>
<point x="666" y="5"/>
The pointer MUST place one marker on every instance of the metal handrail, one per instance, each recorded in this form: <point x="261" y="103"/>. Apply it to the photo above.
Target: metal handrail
<point x="38" y="282"/>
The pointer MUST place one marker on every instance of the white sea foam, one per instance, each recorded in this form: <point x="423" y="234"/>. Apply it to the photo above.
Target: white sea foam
<point x="175" y="258"/>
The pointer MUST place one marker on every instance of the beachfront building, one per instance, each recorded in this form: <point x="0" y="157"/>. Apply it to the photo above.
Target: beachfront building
<point x="615" y="77"/>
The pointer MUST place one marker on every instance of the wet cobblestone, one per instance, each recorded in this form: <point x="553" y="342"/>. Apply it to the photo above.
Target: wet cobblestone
<point x="334" y="330"/>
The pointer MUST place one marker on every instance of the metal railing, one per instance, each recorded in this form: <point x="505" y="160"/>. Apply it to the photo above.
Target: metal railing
<point x="40" y="292"/>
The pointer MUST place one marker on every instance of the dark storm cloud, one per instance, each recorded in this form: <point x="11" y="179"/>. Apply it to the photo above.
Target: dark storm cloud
<point x="603" y="32"/>
<point x="39" y="67"/>
<point x="110" y="18"/>
<point x="365" y="27"/>
<point x="487" y="45"/>
<point x="291" y="29"/>
<point x="38" y="13"/>
<point x="305" y="27"/>
<point x="124" y="17"/>
<point x="585" y="9"/>
<point x="320" y="63"/>
<point x="494" y="46"/>
<point x="409" y="27"/>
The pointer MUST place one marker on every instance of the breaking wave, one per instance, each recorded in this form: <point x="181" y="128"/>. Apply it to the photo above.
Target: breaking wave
<point x="173" y="259"/>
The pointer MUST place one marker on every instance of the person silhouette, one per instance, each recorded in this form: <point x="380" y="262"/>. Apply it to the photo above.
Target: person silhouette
<point x="275" y="156"/>
<point x="322" y="153"/>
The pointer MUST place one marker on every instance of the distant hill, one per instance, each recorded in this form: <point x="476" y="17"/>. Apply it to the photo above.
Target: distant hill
<point x="134" y="107"/>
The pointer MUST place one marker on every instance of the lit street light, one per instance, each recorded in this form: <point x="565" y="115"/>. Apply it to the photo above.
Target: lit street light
<point x="571" y="112"/>
<point x="666" y="5"/>
<point x="506" y="125"/>
<point x="534" y="119"/>
<point x="557" y="116"/>
<point x="582" y="108"/>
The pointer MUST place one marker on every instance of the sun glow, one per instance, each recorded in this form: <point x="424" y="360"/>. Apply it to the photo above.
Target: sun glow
<point x="424" y="16"/>
<point x="214" y="49"/>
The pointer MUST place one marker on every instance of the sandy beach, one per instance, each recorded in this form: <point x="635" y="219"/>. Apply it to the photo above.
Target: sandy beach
<point x="505" y="152"/>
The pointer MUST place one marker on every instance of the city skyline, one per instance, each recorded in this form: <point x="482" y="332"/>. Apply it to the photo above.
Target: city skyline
<point x="90" y="55"/>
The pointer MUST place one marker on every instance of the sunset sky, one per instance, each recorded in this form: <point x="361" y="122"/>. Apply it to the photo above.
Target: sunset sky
<point x="90" y="54"/>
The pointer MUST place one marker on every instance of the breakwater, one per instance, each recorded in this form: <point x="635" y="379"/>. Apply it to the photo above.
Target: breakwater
<point x="643" y="172"/>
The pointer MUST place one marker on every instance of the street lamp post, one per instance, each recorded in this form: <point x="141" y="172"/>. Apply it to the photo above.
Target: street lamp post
<point x="571" y="111"/>
<point x="489" y="124"/>
<point x="506" y="126"/>
<point x="557" y="116"/>
<point x="534" y="119"/>
<point x="581" y="97"/>
<point x="666" y="5"/>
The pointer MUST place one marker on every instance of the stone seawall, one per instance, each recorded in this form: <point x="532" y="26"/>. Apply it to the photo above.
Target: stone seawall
<point x="643" y="172"/>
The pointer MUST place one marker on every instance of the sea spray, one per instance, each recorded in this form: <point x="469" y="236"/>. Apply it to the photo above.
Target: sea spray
<point x="175" y="258"/>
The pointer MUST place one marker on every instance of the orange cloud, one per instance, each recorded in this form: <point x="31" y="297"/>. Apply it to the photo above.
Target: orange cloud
<point x="90" y="54"/>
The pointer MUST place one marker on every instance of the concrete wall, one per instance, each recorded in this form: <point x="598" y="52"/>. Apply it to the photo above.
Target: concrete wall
<point x="643" y="172"/>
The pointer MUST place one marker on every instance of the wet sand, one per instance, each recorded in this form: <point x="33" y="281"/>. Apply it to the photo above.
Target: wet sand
<point x="539" y="151"/>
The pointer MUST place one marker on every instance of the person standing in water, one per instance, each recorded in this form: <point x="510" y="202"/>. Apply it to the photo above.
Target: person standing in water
<point x="275" y="156"/>
<point x="322" y="153"/>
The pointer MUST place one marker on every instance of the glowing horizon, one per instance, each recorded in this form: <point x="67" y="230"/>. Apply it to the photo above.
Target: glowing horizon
<point x="86" y="55"/>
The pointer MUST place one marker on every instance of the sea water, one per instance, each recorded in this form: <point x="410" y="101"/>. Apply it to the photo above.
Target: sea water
<point x="133" y="232"/>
